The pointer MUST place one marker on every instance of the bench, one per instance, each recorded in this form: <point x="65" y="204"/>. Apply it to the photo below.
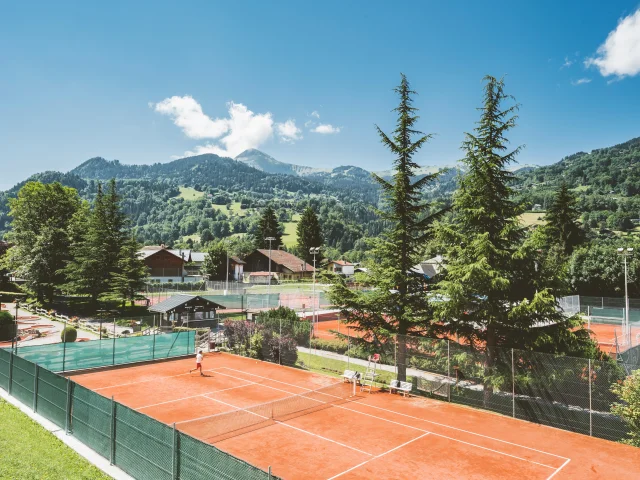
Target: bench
<point x="350" y="376"/>
<point x="402" y="387"/>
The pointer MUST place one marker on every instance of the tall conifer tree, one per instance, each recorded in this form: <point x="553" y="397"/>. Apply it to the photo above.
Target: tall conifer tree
<point x="309" y="235"/>
<point x="131" y="274"/>
<point x="269" y="227"/>
<point x="492" y="291"/>
<point x="397" y="304"/>
<point x="562" y="226"/>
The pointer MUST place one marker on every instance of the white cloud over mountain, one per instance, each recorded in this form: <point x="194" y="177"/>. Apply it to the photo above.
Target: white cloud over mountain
<point x="619" y="55"/>
<point x="241" y="130"/>
<point x="326" y="129"/>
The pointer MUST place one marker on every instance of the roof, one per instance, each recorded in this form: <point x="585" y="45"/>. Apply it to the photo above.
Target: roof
<point x="429" y="268"/>
<point x="287" y="260"/>
<point x="262" y="274"/>
<point x="344" y="263"/>
<point x="181" y="302"/>
<point x="149" y="250"/>
<point x="238" y="260"/>
<point x="198" y="257"/>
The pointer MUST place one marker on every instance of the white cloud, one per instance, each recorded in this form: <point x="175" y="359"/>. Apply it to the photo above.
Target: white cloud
<point x="326" y="129"/>
<point x="315" y="114"/>
<point x="288" y="132"/>
<point x="188" y="115"/>
<point x="243" y="129"/>
<point x="581" y="81"/>
<point x="567" y="63"/>
<point x="620" y="53"/>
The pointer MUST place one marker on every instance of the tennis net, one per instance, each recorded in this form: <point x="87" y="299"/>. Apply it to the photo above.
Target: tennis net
<point x="221" y="426"/>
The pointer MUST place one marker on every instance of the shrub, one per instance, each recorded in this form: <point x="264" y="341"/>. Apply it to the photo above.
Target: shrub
<point x="7" y="326"/>
<point x="629" y="409"/>
<point x="126" y="332"/>
<point x="69" y="335"/>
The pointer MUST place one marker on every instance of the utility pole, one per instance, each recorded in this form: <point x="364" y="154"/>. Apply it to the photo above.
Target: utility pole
<point x="626" y="331"/>
<point x="227" y="284"/>
<point x="269" y="239"/>
<point x="314" y="251"/>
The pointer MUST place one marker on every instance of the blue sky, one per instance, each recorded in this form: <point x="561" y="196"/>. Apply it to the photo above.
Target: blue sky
<point x="148" y="82"/>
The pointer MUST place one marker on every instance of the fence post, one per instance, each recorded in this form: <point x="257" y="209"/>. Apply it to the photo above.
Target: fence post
<point x="395" y="353"/>
<point x="68" y="410"/>
<point x="174" y="461"/>
<point x="113" y="353"/>
<point x="590" y="410"/>
<point x="35" y="388"/>
<point x="280" y="344"/>
<point x="269" y="472"/>
<point x="448" y="368"/>
<point x="112" y="456"/>
<point x="10" y="372"/>
<point x="513" y="384"/>
<point x="153" y="353"/>
<point x="64" y="348"/>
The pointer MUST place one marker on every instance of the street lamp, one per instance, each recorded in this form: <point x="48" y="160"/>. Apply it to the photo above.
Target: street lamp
<point x="269" y="239"/>
<point x="626" y="331"/>
<point x="314" y="251"/>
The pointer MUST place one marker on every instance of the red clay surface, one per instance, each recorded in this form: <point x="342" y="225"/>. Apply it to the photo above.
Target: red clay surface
<point x="375" y="435"/>
<point x="605" y="334"/>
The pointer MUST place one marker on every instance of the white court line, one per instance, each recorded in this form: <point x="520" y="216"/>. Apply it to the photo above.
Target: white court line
<point x="378" y="456"/>
<point x="559" y="468"/>
<point x="286" y="425"/>
<point x="192" y="396"/>
<point x="418" y="418"/>
<point x="158" y="379"/>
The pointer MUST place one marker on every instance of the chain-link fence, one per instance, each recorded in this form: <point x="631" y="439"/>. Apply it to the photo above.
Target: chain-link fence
<point x="63" y="357"/>
<point x="141" y="446"/>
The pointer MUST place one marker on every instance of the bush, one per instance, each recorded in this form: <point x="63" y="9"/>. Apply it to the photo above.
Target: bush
<point x="69" y="335"/>
<point x="126" y="332"/>
<point x="629" y="409"/>
<point x="7" y="326"/>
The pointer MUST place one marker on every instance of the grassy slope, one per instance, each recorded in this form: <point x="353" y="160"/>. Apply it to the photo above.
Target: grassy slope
<point x="189" y="193"/>
<point x="28" y="451"/>
<point x="531" y="218"/>
<point x="290" y="237"/>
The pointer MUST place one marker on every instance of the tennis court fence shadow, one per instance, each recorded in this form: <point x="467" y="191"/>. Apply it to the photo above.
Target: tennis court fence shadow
<point x="564" y="392"/>
<point x="141" y="446"/>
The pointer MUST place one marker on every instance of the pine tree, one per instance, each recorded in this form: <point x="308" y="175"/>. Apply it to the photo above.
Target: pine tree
<point x="215" y="262"/>
<point x="397" y="304"/>
<point x="131" y="274"/>
<point x="114" y="228"/>
<point x="494" y="298"/>
<point x="562" y="226"/>
<point x="268" y="226"/>
<point x="309" y="235"/>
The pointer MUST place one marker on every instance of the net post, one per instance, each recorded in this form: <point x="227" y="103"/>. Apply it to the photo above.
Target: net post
<point x="10" y="372"/>
<point x="513" y="384"/>
<point x="35" y="387"/>
<point x="590" y="409"/>
<point x="112" y="456"/>
<point x="68" y="408"/>
<point x="174" y="460"/>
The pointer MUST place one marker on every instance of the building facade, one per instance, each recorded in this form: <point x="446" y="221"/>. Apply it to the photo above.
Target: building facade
<point x="286" y="265"/>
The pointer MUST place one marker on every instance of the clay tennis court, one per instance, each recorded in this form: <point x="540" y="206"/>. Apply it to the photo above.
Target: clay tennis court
<point x="364" y="436"/>
<point x="605" y="334"/>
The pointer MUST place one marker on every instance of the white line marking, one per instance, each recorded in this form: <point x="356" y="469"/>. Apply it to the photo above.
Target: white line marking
<point x="157" y="379"/>
<point x="192" y="396"/>
<point x="418" y="418"/>
<point x="559" y="468"/>
<point x="378" y="456"/>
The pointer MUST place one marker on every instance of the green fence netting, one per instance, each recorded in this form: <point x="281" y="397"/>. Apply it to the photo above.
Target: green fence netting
<point x="5" y="363"/>
<point x="144" y="446"/>
<point x="52" y="397"/>
<point x="62" y="357"/>
<point x="91" y="419"/>
<point x="22" y="380"/>
<point x="199" y="460"/>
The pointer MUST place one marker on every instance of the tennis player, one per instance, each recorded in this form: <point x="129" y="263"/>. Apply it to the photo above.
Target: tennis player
<point x="198" y="363"/>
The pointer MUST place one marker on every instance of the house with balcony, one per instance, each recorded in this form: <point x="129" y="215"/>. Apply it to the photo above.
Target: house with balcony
<point x="284" y="266"/>
<point x="172" y="265"/>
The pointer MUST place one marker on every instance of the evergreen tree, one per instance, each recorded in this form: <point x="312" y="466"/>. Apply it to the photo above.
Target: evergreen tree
<point x="215" y="263"/>
<point x="268" y="226"/>
<point x="41" y="217"/>
<point x="494" y="297"/>
<point x="131" y="274"/>
<point x="88" y="272"/>
<point x="396" y="304"/>
<point x="114" y="228"/>
<point x="309" y="235"/>
<point x="562" y="216"/>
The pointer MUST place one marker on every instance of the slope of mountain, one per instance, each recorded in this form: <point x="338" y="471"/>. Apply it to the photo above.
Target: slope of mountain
<point x="266" y="163"/>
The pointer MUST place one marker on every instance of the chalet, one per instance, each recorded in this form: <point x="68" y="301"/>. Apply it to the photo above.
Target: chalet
<point x="286" y="265"/>
<point x="172" y="266"/>
<point x="341" y="267"/>
<point x="236" y="266"/>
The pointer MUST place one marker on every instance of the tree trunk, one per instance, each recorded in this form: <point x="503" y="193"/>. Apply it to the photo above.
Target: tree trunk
<point x="489" y="364"/>
<point x="401" y="352"/>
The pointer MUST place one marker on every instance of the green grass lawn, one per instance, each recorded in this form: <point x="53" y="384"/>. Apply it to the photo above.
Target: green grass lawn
<point x="189" y="193"/>
<point x="28" y="451"/>
<point x="532" y="218"/>
<point x="234" y="210"/>
<point x="290" y="237"/>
